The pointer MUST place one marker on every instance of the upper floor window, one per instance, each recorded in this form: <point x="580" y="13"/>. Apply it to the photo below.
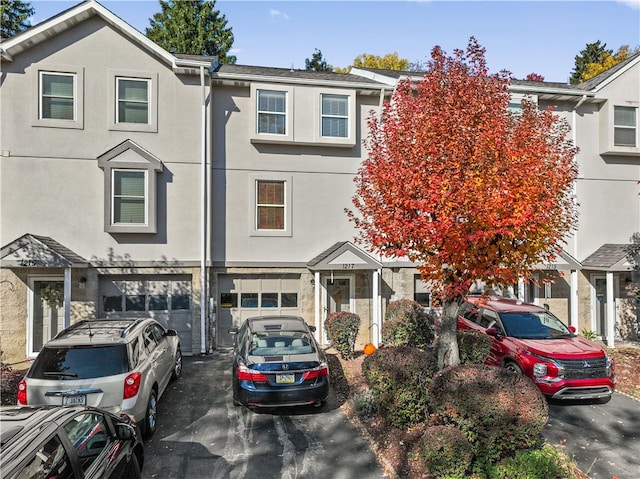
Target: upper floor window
<point x="133" y="100"/>
<point x="272" y="112"/>
<point x="270" y="207"/>
<point x="129" y="197"/>
<point x="335" y="116"/>
<point x="625" y="122"/>
<point x="130" y="189"/>
<point x="57" y="96"/>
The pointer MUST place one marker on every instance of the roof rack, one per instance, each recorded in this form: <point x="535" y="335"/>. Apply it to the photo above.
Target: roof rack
<point x="128" y="329"/>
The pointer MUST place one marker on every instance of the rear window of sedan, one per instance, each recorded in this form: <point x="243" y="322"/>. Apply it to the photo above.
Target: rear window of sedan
<point x="280" y="343"/>
<point x="80" y="362"/>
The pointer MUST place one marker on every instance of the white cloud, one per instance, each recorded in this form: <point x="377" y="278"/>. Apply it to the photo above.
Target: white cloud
<point x="277" y="13"/>
<point x="631" y="3"/>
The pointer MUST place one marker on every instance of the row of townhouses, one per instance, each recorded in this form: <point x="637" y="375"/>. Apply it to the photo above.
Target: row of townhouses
<point x="138" y="182"/>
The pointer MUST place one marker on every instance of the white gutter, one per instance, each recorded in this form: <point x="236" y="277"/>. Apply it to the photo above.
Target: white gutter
<point x="573" y="284"/>
<point x="203" y="239"/>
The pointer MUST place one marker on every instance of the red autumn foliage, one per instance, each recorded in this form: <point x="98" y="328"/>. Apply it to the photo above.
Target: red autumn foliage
<point x="460" y="185"/>
<point x="534" y="77"/>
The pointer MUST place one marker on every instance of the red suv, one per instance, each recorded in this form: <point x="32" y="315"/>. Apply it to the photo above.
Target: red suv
<point x="528" y="339"/>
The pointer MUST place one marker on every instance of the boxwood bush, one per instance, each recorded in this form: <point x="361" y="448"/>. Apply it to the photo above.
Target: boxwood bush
<point x="406" y="323"/>
<point x="399" y="377"/>
<point x="498" y="411"/>
<point x="473" y="346"/>
<point x="445" y="451"/>
<point x="342" y="330"/>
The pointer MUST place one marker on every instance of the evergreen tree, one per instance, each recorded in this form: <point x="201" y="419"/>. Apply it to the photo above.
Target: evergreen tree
<point x="15" y="14"/>
<point x="192" y="27"/>
<point x="317" y="63"/>
<point x="592" y="53"/>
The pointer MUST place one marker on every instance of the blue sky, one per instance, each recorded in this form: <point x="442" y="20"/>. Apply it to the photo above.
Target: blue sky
<point x="520" y="36"/>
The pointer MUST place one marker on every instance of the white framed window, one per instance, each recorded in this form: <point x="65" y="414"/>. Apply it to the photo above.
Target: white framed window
<point x="133" y="100"/>
<point x="57" y="96"/>
<point x="130" y="189"/>
<point x="129" y="202"/>
<point x="272" y="112"/>
<point x="334" y="116"/>
<point x="270" y="205"/>
<point x="625" y="125"/>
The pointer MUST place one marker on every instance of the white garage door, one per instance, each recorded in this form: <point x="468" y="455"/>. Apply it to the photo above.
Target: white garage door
<point x="243" y="296"/>
<point x="164" y="298"/>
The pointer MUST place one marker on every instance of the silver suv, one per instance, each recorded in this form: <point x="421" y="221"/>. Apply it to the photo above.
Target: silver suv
<point x="116" y="365"/>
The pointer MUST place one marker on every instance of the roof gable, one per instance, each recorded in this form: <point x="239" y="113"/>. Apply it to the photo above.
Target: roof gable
<point x="343" y="256"/>
<point x="609" y="257"/>
<point x="130" y="155"/>
<point x="31" y="250"/>
<point x="44" y="31"/>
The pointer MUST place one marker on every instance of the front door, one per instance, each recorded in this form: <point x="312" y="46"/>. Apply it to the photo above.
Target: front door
<point x="47" y="312"/>
<point x="600" y="287"/>
<point x="337" y="297"/>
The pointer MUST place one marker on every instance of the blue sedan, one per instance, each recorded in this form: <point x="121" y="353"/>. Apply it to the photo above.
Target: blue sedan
<point x="277" y="362"/>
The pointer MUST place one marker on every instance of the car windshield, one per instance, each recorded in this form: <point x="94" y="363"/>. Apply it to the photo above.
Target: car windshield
<point x="280" y="343"/>
<point x="534" y="325"/>
<point x="83" y="362"/>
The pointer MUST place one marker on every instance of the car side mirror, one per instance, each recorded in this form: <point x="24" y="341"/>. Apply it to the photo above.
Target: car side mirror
<point x="493" y="332"/>
<point x="125" y="432"/>
<point x="572" y="329"/>
<point x="233" y="330"/>
<point x="171" y="332"/>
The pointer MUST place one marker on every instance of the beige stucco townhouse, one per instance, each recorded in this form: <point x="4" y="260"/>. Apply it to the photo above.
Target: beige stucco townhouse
<point x="103" y="139"/>
<point x="134" y="176"/>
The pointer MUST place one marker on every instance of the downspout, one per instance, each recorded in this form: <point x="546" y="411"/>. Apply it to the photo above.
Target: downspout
<point x="573" y="300"/>
<point x="203" y="240"/>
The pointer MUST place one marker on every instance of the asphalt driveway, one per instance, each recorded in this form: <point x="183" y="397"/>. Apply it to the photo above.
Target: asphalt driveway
<point x="202" y="435"/>
<point x="603" y="439"/>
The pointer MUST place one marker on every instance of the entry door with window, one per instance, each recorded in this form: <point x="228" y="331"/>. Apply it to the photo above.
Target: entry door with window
<point x="337" y="296"/>
<point x="47" y="312"/>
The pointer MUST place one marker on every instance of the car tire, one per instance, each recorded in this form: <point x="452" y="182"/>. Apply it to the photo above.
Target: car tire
<point x="133" y="471"/>
<point x="513" y="368"/>
<point x="151" y="416"/>
<point x="177" y="366"/>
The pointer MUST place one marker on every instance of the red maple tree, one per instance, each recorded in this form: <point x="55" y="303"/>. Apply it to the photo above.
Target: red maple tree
<point x="463" y="187"/>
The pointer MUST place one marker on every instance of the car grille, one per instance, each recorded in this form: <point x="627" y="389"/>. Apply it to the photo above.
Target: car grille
<point x="584" y="368"/>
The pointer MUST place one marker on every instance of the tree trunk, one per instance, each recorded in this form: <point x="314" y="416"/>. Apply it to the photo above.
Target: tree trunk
<point x="448" y="354"/>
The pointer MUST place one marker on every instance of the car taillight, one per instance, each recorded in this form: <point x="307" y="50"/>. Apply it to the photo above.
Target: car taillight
<point x="21" y="397"/>
<point x="131" y="385"/>
<point x="246" y="374"/>
<point x="319" y="372"/>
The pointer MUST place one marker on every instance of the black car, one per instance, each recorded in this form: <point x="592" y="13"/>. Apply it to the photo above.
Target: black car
<point x="68" y="442"/>
<point x="277" y="362"/>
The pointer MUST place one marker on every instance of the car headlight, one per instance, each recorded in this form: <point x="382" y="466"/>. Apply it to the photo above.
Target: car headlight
<point x="539" y="369"/>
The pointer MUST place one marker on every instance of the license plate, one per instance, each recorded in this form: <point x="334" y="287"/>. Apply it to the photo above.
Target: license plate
<point x="285" y="378"/>
<point x="74" y="400"/>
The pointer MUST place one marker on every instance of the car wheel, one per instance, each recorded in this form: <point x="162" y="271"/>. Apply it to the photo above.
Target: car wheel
<point x="513" y="368"/>
<point x="177" y="366"/>
<point x="133" y="471"/>
<point x="151" y="418"/>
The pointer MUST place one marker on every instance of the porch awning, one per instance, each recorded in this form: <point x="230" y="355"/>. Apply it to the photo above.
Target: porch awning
<point x="32" y="251"/>
<point x="609" y="257"/>
<point x="343" y="256"/>
<point x="563" y="261"/>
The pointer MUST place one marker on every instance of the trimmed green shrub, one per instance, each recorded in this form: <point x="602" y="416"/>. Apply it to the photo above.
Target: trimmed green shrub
<point x="342" y="330"/>
<point x="543" y="463"/>
<point x="473" y="346"/>
<point x="399" y="377"/>
<point x="499" y="412"/>
<point x="406" y="323"/>
<point x="365" y="403"/>
<point x="445" y="451"/>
